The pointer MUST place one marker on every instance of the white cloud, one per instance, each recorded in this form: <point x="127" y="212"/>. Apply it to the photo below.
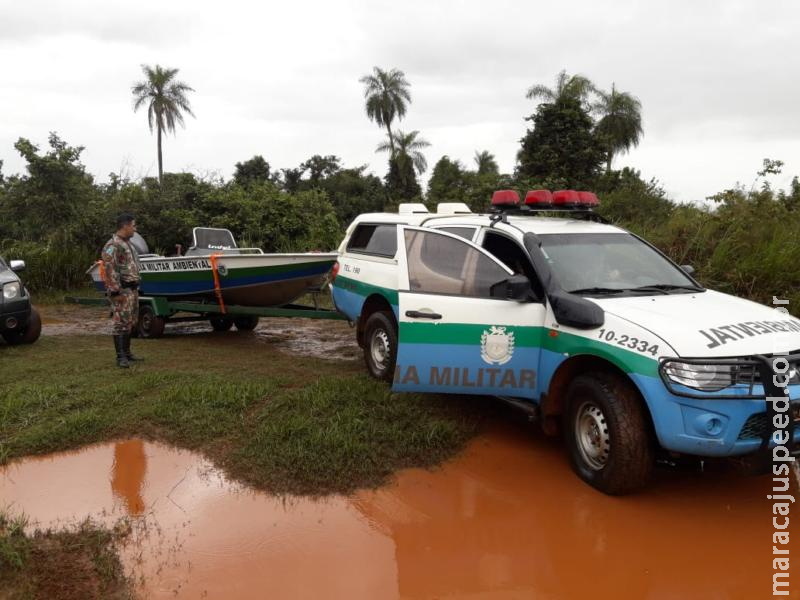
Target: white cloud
<point x="716" y="80"/>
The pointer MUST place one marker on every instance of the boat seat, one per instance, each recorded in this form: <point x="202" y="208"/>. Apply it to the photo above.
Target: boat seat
<point x="194" y="251"/>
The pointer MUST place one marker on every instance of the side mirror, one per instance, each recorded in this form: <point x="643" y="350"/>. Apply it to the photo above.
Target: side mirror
<point x="688" y="269"/>
<point x="575" y="311"/>
<point x="516" y="287"/>
<point x="17" y="266"/>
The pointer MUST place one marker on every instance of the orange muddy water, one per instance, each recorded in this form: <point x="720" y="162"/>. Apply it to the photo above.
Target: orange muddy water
<point x="506" y="519"/>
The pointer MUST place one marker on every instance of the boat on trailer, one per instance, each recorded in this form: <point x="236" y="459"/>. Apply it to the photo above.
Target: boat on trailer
<point x="215" y="268"/>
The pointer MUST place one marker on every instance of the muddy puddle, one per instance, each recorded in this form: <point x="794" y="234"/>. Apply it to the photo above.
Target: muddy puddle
<point x="331" y="340"/>
<point x="506" y="519"/>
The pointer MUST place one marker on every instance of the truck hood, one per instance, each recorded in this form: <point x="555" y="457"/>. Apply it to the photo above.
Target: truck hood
<point x="7" y="276"/>
<point x="709" y="323"/>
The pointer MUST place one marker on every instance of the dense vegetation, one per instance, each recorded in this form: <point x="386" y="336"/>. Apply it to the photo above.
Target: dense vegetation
<point x="56" y="216"/>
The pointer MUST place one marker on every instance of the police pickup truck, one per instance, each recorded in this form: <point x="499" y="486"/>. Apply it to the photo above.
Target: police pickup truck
<point x="19" y="321"/>
<point x="587" y="325"/>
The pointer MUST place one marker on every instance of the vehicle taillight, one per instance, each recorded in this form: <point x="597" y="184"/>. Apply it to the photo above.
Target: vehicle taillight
<point x="335" y="271"/>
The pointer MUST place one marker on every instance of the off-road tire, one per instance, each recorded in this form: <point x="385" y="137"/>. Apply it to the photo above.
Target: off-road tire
<point x="623" y="458"/>
<point x="28" y="335"/>
<point x="246" y="322"/>
<point x="221" y="323"/>
<point x="149" y="324"/>
<point x="380" y="340"/>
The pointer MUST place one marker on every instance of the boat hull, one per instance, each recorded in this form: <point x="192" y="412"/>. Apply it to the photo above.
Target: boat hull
<point x="245" y="280"/>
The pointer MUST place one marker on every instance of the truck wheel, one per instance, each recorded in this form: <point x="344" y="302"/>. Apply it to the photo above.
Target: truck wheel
<point x="607" y="434"/>
<point x="221" y="323"/>
<point x="28" y="335"/>
<point x="246" y="322"/>
<point x="150" y="325"/>
<point x="380" y="346"/>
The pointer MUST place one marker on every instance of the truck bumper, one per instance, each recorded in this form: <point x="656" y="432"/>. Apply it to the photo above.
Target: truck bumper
<point x="14" y="321"/>
<point x="723" y="427"/>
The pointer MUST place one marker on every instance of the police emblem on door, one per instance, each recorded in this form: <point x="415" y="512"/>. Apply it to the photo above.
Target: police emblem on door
<point x="497" y="345"/>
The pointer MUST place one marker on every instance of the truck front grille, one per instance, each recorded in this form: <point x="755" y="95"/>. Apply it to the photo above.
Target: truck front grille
<point x="755" y="427"/>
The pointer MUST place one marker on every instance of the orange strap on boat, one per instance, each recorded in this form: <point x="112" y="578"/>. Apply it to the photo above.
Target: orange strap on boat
<point x="101" y="269"/>
<point x="217" y="287"/>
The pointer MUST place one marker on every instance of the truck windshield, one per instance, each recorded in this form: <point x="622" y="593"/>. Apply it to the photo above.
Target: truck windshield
<point x="611" y="263"/>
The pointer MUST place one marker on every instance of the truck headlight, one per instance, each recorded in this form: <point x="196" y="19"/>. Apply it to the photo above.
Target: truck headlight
<point x="703" y="377"/>
<point x="11" y="290"/>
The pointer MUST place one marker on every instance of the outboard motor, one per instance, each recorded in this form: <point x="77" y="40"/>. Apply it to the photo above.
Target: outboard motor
<point x="137" y="241"/>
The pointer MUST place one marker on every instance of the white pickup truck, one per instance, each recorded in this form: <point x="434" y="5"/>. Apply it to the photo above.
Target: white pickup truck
<point x="592" y="328"/>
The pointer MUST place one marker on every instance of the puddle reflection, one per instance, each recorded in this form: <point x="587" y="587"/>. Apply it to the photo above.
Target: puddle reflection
<point x="128" y="475"/>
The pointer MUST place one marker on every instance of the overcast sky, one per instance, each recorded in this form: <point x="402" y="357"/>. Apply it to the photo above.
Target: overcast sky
<point x="719" y="81"/>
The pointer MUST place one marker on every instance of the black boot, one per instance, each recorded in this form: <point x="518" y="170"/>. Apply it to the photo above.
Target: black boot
<point x="119" y="346"/>
<point x="128" y="354"/>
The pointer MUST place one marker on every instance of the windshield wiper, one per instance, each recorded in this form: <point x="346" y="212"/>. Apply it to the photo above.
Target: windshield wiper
<point x="665" y="288"/>
<point x="598" y="290"/>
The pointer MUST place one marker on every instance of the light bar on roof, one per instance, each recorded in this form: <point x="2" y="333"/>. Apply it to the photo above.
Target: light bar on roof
<point x="539" y="198"/>
<point x="505" y="198"/>
<point x="565" y="197"/>
<point x="588" y="199"/>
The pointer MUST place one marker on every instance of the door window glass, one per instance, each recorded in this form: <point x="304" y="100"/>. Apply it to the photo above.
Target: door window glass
<point x="380" y="240"/>
<point x="464" y="232"/>
<point x="439" y="264"/>
<point x="511" y="254"/>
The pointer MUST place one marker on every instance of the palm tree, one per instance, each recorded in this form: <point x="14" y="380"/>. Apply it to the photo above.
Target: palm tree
<point x="486" y="163"/>
<point x="620" y="124"/>
<point x="575" y="87"/>
<point x="386" y="94"/>
<point x="165" y="98"/>
<point x="406" y="148"/>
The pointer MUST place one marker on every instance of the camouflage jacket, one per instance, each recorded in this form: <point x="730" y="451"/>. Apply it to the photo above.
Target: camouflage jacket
<point x="120" y="263"/>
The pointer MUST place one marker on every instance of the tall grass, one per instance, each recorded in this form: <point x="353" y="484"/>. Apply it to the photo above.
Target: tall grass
<point x="747" y="245"/>
<point x="50" y="267"/>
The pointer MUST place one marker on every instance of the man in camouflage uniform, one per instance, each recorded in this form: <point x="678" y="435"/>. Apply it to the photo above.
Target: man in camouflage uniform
<point x="121" y="277"/>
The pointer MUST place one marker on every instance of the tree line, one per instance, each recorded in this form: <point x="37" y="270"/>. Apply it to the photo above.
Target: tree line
<point x="56" y="216"/>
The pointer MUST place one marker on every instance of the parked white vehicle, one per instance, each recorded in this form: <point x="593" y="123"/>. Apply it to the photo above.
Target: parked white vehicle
<point x="585" y="324"/>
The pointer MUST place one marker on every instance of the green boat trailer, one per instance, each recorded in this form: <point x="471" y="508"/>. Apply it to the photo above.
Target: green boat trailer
<point x="156" y="311"/>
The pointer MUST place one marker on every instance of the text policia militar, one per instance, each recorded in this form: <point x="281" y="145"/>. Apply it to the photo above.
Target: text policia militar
<point x="509" y="379"/>
<point x="781" y="461"/>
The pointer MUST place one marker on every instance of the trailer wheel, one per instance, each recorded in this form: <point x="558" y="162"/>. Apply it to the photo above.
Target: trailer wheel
<point x="607" y="434"/>
<point x="150" y="325"/>
<point x="221" y="323"/>
<point x="380" y="346"/>
<point x="246" y="322"/>
<point x="28" y="335"/>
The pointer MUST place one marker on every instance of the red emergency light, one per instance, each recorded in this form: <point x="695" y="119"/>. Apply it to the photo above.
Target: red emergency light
<point x="505" y="198"/>
<point x="539" y="198"/>
<point x="588" y="199"/>
<point x="565" y="197"/>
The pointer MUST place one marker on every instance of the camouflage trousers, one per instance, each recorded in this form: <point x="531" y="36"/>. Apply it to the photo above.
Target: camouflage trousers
<point x="124" y="311"/>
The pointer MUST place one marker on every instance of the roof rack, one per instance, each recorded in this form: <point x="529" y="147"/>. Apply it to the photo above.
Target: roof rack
<point x="412" y="208"/>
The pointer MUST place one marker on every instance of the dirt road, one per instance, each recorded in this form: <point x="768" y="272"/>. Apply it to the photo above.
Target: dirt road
<point x="329" y="340"/>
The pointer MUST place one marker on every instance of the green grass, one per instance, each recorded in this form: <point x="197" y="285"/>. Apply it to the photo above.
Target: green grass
<point x="55" y="297"/>
<point x="282" y="423"/>
<point x="80" y="562"/>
